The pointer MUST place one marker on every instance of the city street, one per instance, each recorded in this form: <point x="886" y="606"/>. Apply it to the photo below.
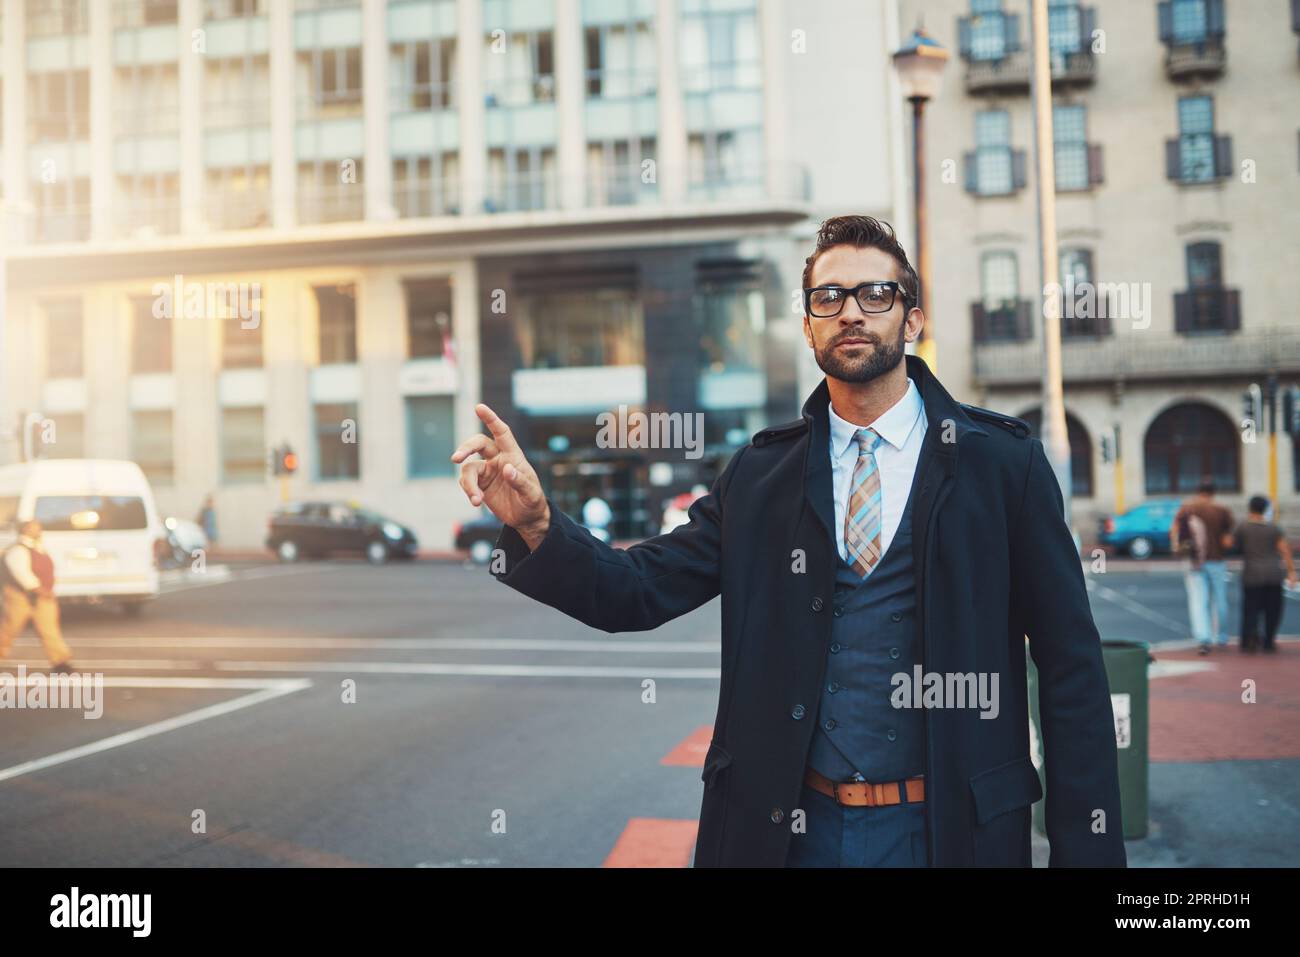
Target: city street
<point x="487" y="730"/>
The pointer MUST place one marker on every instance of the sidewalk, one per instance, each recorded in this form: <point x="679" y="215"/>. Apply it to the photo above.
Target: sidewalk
<point x="1225" y="772"/>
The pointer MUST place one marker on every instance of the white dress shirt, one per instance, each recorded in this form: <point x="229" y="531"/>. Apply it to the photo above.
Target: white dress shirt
<point x="902" y="427"/>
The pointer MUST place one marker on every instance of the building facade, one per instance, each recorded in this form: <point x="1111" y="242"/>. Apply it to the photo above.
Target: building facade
<point x="232" y="224"/>
<point x="1176" y="127"/>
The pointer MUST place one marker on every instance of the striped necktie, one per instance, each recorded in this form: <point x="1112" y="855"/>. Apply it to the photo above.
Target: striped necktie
<point x="862" y="518"/>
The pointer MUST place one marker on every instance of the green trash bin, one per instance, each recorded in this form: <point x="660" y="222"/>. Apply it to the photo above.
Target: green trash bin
<point x="1126" y="672"/>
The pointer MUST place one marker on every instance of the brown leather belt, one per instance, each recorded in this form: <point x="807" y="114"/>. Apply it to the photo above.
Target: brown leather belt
<point x="866" y="794"/>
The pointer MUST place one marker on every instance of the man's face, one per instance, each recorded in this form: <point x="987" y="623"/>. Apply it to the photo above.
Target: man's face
<point x="857" y="346"/>
<point x="31" y="530"/>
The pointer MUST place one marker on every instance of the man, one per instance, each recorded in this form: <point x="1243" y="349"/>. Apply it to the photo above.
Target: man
<point x="889" y="535"/>
<point x="27" y="573"/>
<point x="1264" y="550"/>
<point x="1203" y="530"/>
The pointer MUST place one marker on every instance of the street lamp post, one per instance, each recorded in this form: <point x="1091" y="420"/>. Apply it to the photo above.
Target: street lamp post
<point x="920" y="64"/>
<point x="1056" y="442"/>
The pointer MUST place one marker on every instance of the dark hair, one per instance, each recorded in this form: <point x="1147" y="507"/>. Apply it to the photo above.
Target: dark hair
<point x="865" y="232"/>
<point x="1207" y="486"/>
<point x="1258" y="504"/>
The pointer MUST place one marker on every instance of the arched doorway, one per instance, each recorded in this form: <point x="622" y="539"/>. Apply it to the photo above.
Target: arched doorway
<point x="1187" y="443"/>
<point x="1080" y="450"/>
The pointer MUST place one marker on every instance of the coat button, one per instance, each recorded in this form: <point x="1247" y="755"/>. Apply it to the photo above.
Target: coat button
<point x="896" y="616"/>
<point x="839" y="611"/>
<point x="893" y="652"/>
<point x="816" y="604"/>
<point x="835" y="647"/>
<point x="797" y="712"/>
<point x="893" y="735"/>
<point x="777" y="815"/>
<point x="829" y="724"/>
<point x="832" y="687"/>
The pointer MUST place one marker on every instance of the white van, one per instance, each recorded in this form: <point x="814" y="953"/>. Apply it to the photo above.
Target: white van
<point x="100" y="526"/>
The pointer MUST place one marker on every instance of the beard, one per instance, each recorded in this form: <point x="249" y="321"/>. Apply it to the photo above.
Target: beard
<point x="869" y="362"/>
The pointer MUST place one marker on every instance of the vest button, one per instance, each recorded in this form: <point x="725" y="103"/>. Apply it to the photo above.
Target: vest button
<point x="832" y="687"/>
<point x="839" y="611"/>
<point x="893" y="735"/>
<point x="835" y="647"/>
<point x="797" y="712"/>
<point x="777" y="815"/>
<point x="897" y="616"/>
<point x="829" y="724"/>
<point x="893" y="652"/>
<point x="816" y="604"/>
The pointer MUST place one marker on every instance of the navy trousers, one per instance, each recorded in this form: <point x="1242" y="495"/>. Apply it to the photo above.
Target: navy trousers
<point x="837" y="836"/>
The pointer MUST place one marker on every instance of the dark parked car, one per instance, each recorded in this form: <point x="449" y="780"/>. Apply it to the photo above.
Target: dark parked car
<point x="1143" y="530"/>
<point x="316" y="529"/>
<point x="478" y="536"/>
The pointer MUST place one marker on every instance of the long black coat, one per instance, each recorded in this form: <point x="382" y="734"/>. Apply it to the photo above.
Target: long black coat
<point x="994" y="563"/>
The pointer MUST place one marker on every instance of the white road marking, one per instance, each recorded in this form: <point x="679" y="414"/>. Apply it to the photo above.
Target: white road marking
<point x="496" y="671"/>
<point x="268" y="690"/>
<point x="1136" y="608"/>
<point x="612" y="645"/>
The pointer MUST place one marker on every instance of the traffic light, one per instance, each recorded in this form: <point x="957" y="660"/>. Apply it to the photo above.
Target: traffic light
<point x="1291" y="410"/>
<point x="284" y="460"/>
<point x="1252" y="405"/>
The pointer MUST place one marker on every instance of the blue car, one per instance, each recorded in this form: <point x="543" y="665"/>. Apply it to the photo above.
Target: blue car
<point x="1143" y="530"/>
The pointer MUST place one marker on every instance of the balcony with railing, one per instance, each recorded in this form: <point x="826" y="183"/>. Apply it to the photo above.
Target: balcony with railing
<point x="626" y="185"/>
<point x="1198" y="158"/>
<point x="1142" y="355"/>
<point x="1213" y="310"/>
<point x="1007" y="320"/>
<point x="147" y="217"/>
<point x="242" y="209"/>
<point x="425" y="196"/>
<point x="997" y="62"/>
<point x="1193" y="34"/>
<point x="331" y="203"/>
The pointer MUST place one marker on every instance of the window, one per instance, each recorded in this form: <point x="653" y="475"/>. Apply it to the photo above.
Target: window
<point x="338" y="323"/>
<point x="1190" y="20"/>
<point x="108" y="513"/>
<point x="64" y="339"/>
<point x="424" y="73"/>
<point x="521" y="178"/>
<point x="1070" y="139"/>
<point x="599" y="327"/>
<point x="243" y="446"/>
<point x="1000" y="314"/>
<point x="1196" y="137"/>
<point x="1187" y="443"/>
<point x="620" y="60"/>
<point x="8" y="510"/>
<point x="428" y="318"/>
<point x="1080" y="450"/>
<point x="522" y="73"/>
<point x="991" y="172"/>
<point x="329" y="81"/>
<point x="430" y="437"/>
<point x="241" y="343"/>
<point x="1083" y="312"/>
<point x="1064" y="27"/>
<point x="151" y="445"/>
<point x="1206" y="306"/>
<point x="614" y="171"/>
<point x="1204" y="265"/>
<point x="58" y="106"/>
<point x="151" y="338"/>
<point x="337" y="437"/>
<point x="719" y="48"/>
<point x="990" y="36"/>
<point x="228" y="9"/>
<point x="731" y="317"/>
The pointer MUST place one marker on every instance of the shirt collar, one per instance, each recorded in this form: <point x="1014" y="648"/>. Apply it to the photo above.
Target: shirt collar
<point x="895" y="425"/>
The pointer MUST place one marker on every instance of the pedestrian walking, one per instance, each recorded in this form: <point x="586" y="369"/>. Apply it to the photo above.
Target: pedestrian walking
<point x="1202" y="530"/>
<point x="1264" y="551"/>
<point x="27" y="573"/>
<point x="207" y="520"/>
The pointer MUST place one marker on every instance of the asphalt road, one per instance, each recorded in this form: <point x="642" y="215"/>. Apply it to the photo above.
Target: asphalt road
<point x="485" y="730"/>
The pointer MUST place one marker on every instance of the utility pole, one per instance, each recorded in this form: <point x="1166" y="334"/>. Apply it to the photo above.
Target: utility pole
<point x="1054" y="437"/>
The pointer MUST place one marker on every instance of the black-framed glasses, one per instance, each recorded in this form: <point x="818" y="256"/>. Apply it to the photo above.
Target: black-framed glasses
<point x="825" y="302"/>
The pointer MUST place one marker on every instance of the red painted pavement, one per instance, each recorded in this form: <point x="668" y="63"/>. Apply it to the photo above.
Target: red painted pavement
<point x="690" y="753"/>
<point x="654" y="842"/>
<point x="1201" y="716"/>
